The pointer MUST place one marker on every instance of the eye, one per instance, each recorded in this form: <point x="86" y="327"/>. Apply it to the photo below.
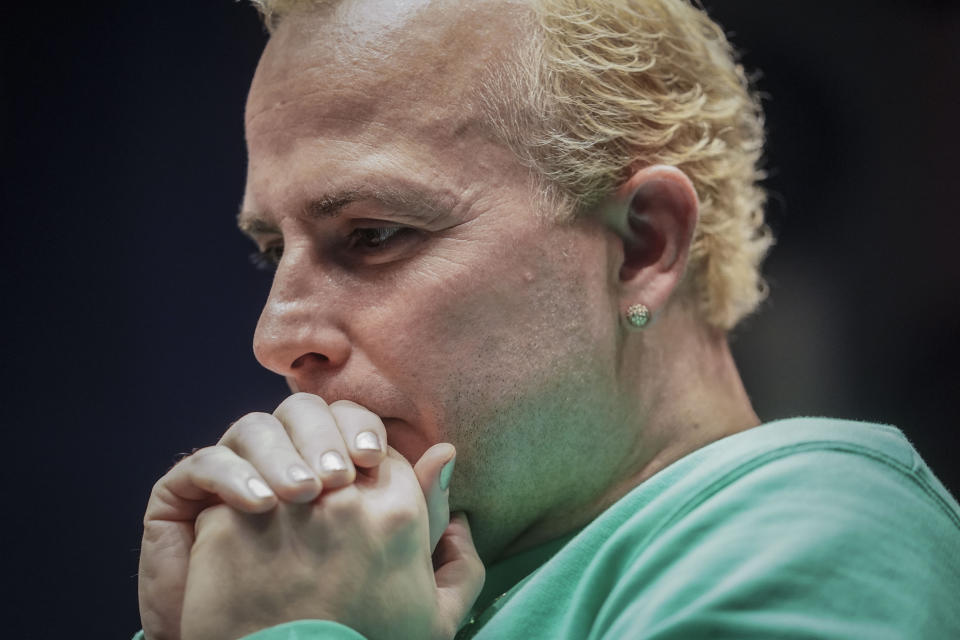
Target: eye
<point x="268" y="259"/>
<point x="373" y="239"/>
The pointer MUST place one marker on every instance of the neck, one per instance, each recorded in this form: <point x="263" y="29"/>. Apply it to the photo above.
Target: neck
<point x="686" y="392"/>
<point x="695" y="397"/>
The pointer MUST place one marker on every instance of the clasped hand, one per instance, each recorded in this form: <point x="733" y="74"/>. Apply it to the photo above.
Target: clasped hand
<point x="305" y="514"/>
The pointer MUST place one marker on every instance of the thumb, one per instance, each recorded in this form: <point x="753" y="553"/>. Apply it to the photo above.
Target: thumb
<point x="433" y="471"/>
<point x="459" y="574"/>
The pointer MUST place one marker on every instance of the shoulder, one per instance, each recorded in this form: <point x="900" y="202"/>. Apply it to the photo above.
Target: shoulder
<point x="837" y="461"/>
<point x="784" y="437"/>
<point x="828" y="521"/>
<point x="799" y="528"/>
<point x="803" y="479"/>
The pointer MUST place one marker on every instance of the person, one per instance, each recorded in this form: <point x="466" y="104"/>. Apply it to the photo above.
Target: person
<point x="516" y="233"/>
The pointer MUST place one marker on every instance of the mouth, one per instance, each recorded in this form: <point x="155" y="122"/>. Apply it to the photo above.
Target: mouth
<point x="407" y="438"/>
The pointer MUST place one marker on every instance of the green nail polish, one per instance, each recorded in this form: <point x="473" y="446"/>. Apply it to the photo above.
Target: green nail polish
<point x="445" y="474"/>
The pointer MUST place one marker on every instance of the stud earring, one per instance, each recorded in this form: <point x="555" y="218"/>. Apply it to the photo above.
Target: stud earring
<point x="638" y="315"/>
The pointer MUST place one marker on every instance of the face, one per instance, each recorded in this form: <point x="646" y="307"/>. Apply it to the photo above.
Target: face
<point x="415" y="274"/>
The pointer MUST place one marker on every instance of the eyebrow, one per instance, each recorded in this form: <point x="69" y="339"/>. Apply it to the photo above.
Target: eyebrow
<point x="414" y="202"/>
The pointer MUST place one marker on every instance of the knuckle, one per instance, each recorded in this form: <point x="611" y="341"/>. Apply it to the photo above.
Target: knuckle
<point x="400" y="517"/>
<point x="250" y="425"/>
<point x="154" y="533"/>
<point x="214" y="521"/>
<point x="341" y="509"/>
<point x="354" y="408"/>
<point x="479" y="569"/>
<point x="203" y="454"/>
<point x="159" y="486"/>
<point x="202" y="462"/>
<point x="345" y="505"/>
<point x="300" y="400"/>
<point x="303" y="396"/>
<point x="255" y="419"/>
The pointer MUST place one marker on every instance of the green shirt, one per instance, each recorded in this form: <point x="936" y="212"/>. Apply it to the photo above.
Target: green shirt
<point x="800" y="528"/>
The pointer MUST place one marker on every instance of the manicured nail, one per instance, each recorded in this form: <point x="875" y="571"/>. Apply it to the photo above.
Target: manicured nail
<point x="259" y="488"/>
<point x="446" y="473"/>
<point x="368" y="441"/>
<point x="299" y="474"/>
<point x="332" y="461"/>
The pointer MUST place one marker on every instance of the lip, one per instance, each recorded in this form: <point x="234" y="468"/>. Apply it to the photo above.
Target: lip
<point x="402" y="435"/>
<point x="382" y="400"/>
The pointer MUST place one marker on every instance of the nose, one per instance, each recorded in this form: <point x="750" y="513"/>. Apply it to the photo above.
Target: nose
<point x="301" y="332"/>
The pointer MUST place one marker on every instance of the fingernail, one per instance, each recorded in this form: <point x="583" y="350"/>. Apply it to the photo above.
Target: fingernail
<point x="299" y="474"/>
<point x="368" y="441"/>
<point x="446" y="473"/>
<point x="259" y="488"/>
<point x="332" y="461"/>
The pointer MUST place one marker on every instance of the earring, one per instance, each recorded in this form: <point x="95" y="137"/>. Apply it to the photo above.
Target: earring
<point x="638" y="315"/>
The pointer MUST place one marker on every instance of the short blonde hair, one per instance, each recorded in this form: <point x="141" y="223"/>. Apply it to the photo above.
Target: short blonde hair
<point x="605" y="87"/>
<point x="612" y="86"/>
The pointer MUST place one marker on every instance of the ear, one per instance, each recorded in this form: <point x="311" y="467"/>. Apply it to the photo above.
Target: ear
<point x="654" y="213"/>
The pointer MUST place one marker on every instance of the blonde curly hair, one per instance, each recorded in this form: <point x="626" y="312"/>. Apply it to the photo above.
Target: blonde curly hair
<point x="605" y="87"/>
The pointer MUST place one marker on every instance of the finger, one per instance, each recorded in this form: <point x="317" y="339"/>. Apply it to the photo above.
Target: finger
<point x="434" y="470"/>
<point x="314" y="432"/>
<point x="389" y="494"/>
<point x="162" y="576"/>
<point x="210" y="475"/>
<point x="362" y="431"/>
<point x="459" y="572"/>
<point x="261" y="439"/>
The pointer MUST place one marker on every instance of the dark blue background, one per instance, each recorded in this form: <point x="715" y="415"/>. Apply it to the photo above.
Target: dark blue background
<point x="129" y="306"/>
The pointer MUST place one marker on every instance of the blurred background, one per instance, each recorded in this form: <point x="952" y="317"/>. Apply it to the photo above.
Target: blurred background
<point x="129" y="303"/>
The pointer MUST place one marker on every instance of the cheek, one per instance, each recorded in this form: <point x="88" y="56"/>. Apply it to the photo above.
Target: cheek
<point x="480" y="335"/>
<point x="478" y="314"/>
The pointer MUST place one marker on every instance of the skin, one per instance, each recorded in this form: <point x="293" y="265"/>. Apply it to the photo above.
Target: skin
<point x="484" y="324"/>
<point x="233" y="544"/>
<point x="423" y="295"/>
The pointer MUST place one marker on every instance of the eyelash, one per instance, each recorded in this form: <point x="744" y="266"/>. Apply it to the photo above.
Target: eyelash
<point x="381" y="237"/>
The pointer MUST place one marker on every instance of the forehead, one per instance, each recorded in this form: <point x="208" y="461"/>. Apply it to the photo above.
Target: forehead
<point x="363" y="64"/>
<point x="379" y="94"/>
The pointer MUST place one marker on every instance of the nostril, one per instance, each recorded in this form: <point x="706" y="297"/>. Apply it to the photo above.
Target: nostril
<point x="307" y="357"/>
